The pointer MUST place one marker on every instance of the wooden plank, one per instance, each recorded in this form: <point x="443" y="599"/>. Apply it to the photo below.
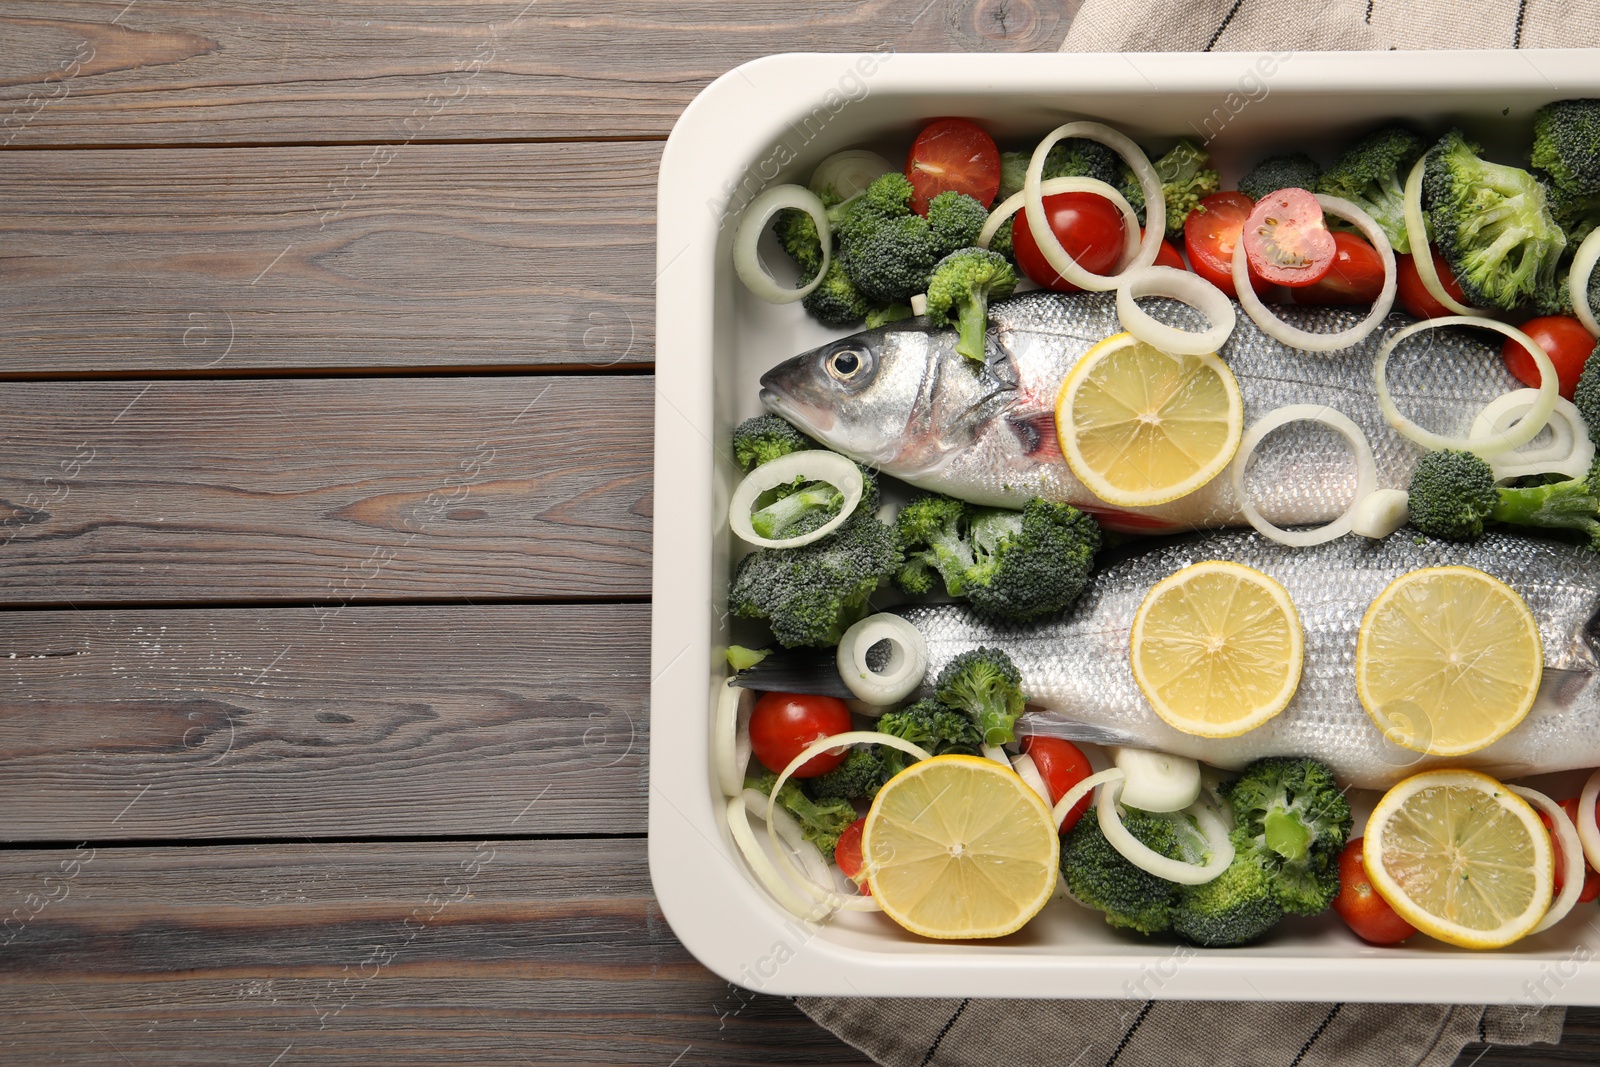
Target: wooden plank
<point x="325" y="490"/>
<point x="225" y="261"/>
<point x="541" y="952"/>
<point x="356" y="721"/>
<point x="165" y="72"/>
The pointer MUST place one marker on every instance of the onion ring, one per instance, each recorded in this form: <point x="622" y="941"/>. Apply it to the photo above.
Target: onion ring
<point x="1488" y="445"/>
<point x="848" y="173"/>
<point x="1155" y="205"/>
<point x="996" y="753"/>
<point x="1422" y="248"/>
<point x="1366" y="472"/>
<point x="1588" y="830"/>
<point x="1570" y="451"/>
<point x="1180" y="285"/>
<point x="1070" y="184"/>
<point x="747" y="261"/>
<point x="1070" y="798"/>
<point x="1147" y="859"/>
<point x="908" y="659"/>
<point x="1305" y="340"/>
<point x="814" y="465"/>
<point x="1571" y="855"/>
<point x="761" y="866"/>
<point x="1583" y="261"/>
<point x="732" y="727"/>
<point x="1028" y="771"/>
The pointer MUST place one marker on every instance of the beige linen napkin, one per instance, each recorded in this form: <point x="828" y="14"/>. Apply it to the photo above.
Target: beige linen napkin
<point x="1156" y="1033"/>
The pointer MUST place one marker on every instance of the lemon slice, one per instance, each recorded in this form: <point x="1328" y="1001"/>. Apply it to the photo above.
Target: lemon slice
<point x="1460" y="857"/>
<point x="958" y="846"/>
<point x="1217" y="649"/>
<point x="1140" y="426"/>
<point x="1448" y="660"/>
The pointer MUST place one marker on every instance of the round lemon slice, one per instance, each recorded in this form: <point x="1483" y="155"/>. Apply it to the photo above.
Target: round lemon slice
<point x="1448" y="660"/>
<point x="958" y="846"/>
<point x="1217" y="649"/>
<point x="1139" y="426"/>
<point x="1460" y="857"/>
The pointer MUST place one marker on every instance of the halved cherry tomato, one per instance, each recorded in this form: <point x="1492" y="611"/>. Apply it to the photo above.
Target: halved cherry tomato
<point x="1360" y="906"/>
<point x="847" y="854"/>
<point x="1089" y="227"/>
<point x="1062" y="765"/>
<point x="1211" y="231"/>
<point x="1356" y="276"/>
<point x="1414" y="296"/>
<point x="783" y="724"/>
<point x="1287" y="240"/>
<point x="1591" y="879"/>
<point x="953" y="155"/>
<point x="1564" y="340"/>
<point x="1168" y="256"/>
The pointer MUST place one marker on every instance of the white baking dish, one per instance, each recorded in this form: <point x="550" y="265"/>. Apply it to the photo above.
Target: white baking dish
<point x="771" y="121"/>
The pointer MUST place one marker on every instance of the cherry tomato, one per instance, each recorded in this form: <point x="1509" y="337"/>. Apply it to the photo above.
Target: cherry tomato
<point x="1089" y="227"/>
<point x="1356" y="276"/>
<point x="1360" y="906"/>
<point x="1591" y="880"/>
<point x="1414" y="296"/>
<point x="1168" y="256"/>
<point x="782" y="724"/>
<point x="1062" y="766"/>
<point x="1287" y="240"/>
<point x="847" y="854"/>
<point x="1211" y="231"/>
<point x="953" y="155"/>
<point x="1564" y="340"/>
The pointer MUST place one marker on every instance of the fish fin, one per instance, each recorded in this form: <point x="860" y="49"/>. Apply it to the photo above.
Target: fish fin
<point x="1051" y="724"/>
<point x="796" y="670"/>
<point x="1563" y="685"/>
<point x="1037" y="434"/>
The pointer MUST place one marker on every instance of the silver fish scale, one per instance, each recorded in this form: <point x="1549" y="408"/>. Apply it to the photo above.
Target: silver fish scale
<point x="1077" y="668"/>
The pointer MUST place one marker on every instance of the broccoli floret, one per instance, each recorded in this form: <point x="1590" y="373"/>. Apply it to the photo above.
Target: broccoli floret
<point x="932" y="726"/>
<point x="1013" y="173"/>
<point x="795" y="509"/>
<point x="888" y="251"/>
<point x="1290" y="170"/>
<point x="1187" y="178"/>
<point x="859" y="777"/>
<point x="1372" y="175"/>
<point x="810" y="595"/>
<point x="763" y="439"/>
<point x="1097" y="876"/>
<point x="986" y="685"/>
<point x="1002" y="242"/>
<point x="836" y="301"/>
<point x="1237" y="907"/>
<point x="933" y="532"/>
<point x="1080" y="157"/>
<point x="883" y="316"/>
<point x="1587" y="396"/>
<point x="959" y="293"/>
<point x="1566" y="156"/>
<point x="1291" y="816"/>
<point x="1492" y="225"/>
<point x="797" y="233"/>
<point x="1453" y="496"/>
<point x="821" y="821"/>
<point x="1132" y="191"/>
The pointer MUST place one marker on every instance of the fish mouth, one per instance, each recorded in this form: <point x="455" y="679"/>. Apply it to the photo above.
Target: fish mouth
<point x="809" y="417"/>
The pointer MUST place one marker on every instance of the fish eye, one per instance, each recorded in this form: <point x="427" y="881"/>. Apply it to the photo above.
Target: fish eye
<point x="845" y="364"/>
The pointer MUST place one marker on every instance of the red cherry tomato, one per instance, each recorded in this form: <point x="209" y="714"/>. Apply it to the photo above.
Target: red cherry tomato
<point x="1566" y="342"/>
<point x="1089" y="227"/>
<point x="1591" y="880"/>
<point x="1356" y="276"/>
<point x="847" y="854"/>
<point x="1168" y="256"/>
<point x="782" y="724"/>
<point x="1360" y="906"/>
<point x="1287" y="240"/>
<point x="1414" y="296"/>
<point x="1062" y="766"/>
<point x="953" y="155"/>
<point x="1211" y="231"/>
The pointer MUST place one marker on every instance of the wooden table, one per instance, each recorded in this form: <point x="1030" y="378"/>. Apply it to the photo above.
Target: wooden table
<point x="325" y="527"/>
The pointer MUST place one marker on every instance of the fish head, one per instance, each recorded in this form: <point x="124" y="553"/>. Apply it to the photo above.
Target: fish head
<point x="898" y="397"/>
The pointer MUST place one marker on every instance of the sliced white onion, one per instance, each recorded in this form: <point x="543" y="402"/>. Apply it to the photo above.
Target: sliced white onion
<point x="814" y="465"/>
<point x="995" y="753"/>
<point x="1366" y="472"/>
<point x="848" y="173"/>
<point x="1571" y="855"/>
<point x="1028" y="771"/>
<point x="1489" y="445"/>
<point x="907" y="665"/>
<point x="798" y="905"/>
<point x="1069" y="184"/>
<point x="1070" y="798"/>
<point x="1183" y="286"/>
<point x="1570" y="451"/>
<point x="747" y="261"/>
<point x="730" y="743"/>
<point x="816" y="868"/>
<point x="1156" y="781"/>
<point x="919" y="304"/>
<point x="1305" y="340"/>
<point x="1583" y="263"/>
<point x="1380" y="513"/>
<point x="1155" y="205"/>
<point x="1422" y="248"/>
<point x="1588" y="831"/>
<point x="1147" y="859"/>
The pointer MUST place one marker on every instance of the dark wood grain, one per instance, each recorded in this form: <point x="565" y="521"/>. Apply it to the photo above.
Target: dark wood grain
<point x="360" y="721"/>
<point x="325" y="490"/>
<point x="162" y="72"/>
<point x="542" y="952"/>
<point x="226" y="261"/>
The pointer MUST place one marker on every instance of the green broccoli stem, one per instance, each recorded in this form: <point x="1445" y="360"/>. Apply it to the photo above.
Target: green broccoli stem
<point x="774" y="520"/>
<point x="1568" y="505"/>
<point x="973" y="326"/>
<point x="1287" y="835"/>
